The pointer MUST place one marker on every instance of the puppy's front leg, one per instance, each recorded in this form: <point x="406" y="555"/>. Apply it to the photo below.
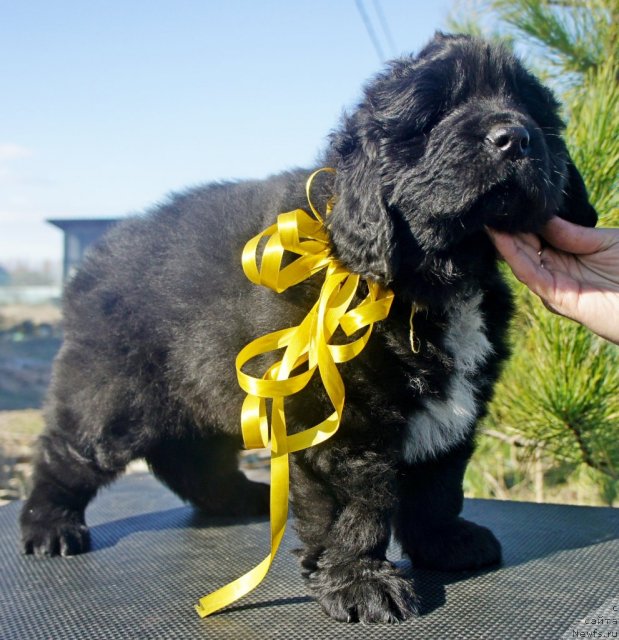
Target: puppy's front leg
<point x="343" y="498"/>
<point x="428" y="524"/>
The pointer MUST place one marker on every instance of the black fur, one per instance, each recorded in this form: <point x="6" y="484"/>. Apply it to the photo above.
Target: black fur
<point x="459" y="137"/>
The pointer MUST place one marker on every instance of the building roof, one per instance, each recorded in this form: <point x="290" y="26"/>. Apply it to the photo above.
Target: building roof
<point x="67" y="224"/>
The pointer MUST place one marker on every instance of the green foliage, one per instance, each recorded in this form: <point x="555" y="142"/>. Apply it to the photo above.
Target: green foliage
<point x="559" y="394"/>
<point x="561" y="390"/>
<point x="593" y="136"/>
<point x="576" y="35"/>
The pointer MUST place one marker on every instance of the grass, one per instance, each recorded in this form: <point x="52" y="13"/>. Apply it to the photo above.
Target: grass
<point x="25" y="424"/>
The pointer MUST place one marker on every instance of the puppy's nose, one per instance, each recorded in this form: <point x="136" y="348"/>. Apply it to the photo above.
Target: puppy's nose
<point x="511" y="141"/>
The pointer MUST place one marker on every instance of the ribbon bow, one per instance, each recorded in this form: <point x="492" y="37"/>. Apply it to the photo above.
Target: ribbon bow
<point x="306" y="346"/>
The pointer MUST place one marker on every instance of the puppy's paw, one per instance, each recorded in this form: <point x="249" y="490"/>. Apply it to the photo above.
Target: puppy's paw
<point x="461" y="546"/>
<point x="53" y="534"/>
<point x="363" y="590"/>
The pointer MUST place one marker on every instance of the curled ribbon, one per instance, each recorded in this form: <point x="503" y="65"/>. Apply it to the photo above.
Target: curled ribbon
<point x="306" y="346"/>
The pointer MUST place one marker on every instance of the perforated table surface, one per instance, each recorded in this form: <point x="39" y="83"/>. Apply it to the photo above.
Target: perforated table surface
<point x="153" y="557"/>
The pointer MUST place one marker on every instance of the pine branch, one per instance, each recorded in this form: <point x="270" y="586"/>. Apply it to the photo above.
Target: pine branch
<point x="515" y="440"/>
<point x="572" y="4"/>
<point x="559" y="26"/>
<point x="586" y="454"/>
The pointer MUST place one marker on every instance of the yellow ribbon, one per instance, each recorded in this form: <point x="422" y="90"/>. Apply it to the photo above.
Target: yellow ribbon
<point x="307" y="347"/>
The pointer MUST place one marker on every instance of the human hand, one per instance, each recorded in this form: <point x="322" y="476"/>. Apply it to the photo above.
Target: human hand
<point x="576" y="275"/>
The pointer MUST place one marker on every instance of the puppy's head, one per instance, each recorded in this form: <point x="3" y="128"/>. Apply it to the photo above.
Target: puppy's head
<point x="459" y="137"/>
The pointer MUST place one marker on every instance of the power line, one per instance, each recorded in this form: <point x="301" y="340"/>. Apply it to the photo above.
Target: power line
<point x="385" y="27"/>
<point x="370" y="29"/>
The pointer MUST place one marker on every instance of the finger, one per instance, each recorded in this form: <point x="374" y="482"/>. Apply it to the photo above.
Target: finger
<point x="555" y="288"/>
<point x="574" y="238"/>
<point x="529" y="242"/>
<point x="521" y="252"/>
<point x="558" y="291"/>
<point x="511" y="245"/>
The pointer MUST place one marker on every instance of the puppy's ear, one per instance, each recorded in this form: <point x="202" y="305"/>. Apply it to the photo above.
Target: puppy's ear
<point x="360" y="227"/>
<point x="576" y="207"/>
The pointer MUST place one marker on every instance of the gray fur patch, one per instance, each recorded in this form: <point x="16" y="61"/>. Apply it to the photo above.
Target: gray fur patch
<point x="443" y="423"/>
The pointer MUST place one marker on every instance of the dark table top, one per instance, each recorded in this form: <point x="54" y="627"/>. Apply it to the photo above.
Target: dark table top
<point x="154" y="557"/>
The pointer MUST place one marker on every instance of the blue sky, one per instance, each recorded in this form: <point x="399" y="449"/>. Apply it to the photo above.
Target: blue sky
<point x="109" y="105"/>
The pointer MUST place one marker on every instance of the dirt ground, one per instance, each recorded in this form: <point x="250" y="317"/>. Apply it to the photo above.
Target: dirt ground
<point x="25" y="369"/>
<point x="30" y="337"/>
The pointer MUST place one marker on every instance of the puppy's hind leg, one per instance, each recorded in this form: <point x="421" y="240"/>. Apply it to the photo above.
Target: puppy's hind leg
<point x="68" y="471"/>
<point x="203" y="469"/>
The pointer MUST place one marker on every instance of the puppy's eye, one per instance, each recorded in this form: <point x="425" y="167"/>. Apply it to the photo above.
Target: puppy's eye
<point x="418" y="136"/>
<point x="419" y="139"/>
<point x="411" y="147"/>
<point x="414" y="136"/>
<point x="415" y="140"/>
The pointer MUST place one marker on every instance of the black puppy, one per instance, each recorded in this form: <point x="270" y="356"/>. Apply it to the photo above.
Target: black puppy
<point x="459" y="137"/>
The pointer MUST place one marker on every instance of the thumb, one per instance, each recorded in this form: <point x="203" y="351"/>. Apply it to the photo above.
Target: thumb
<point x="573" y="238"/>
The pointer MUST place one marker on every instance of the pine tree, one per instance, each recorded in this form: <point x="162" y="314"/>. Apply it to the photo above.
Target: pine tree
<point x="559" y="394"/>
